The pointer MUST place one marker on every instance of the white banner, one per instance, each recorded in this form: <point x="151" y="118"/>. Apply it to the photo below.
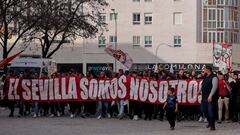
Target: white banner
<point x="222" y="56"/>
<point x="121" y="56"/>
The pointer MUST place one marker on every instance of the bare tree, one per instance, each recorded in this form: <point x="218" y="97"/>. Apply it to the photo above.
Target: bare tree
<point x="65" y="20"/>
<point x="15" y="22"/>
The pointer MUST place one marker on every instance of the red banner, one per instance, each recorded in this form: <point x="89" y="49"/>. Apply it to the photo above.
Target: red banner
<point x="89" y="89"/>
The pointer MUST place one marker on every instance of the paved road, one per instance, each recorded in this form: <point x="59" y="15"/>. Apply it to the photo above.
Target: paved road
<point x="92" y="126"/>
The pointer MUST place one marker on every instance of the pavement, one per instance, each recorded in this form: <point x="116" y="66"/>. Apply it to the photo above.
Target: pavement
<point x="92" y="126"/>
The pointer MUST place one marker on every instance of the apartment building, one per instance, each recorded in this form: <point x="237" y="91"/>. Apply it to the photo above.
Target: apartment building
<point x="168" y="32"/>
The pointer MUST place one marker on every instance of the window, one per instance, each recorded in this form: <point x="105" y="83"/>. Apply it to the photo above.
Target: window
<point x="136" y="0"/>
<point x="112" y="39"/>
<point x="101" y="41"/>
<point x="136" y="18"/>
<point x="177" y="18"/>
<point x="103" y="18"/>
<point x="220" y="18"/>
<point x="148" y="41"/>
<point x="211" y="14"/>
<point x="212" y="17"/>
<point x="220" y="2"/>
<point x="212" y="36"/>
<point x="113" y="16"/>
<point x="177" y="41"/>
<point x="205" y="37"/>
<point x="220" y="36"/>
<point x="136" y="41"/>
<point x="211" y="2"/>
<point x="148" y="18"/>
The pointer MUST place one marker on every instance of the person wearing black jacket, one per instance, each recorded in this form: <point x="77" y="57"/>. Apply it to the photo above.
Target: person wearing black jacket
<point x="209" y="96"/>
<point x="235" y="85"/>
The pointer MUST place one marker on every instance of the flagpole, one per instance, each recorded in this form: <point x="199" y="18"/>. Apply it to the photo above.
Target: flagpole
<point x="115" y="39"/>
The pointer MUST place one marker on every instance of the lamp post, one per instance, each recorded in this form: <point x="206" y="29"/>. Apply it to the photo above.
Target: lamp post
<point x="156" y="53"/>
<point x="115" y="38"/>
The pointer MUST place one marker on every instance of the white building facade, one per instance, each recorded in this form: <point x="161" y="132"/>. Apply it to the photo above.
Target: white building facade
<point x="178" y="32"/>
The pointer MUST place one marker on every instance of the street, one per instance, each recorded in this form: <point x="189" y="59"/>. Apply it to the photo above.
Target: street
<point x="92" y="126"/>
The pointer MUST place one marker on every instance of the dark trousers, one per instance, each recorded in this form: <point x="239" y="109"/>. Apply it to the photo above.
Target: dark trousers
<point x="134" y="108"/>
<point x="171" y="117"/>
<point x="209" y="110"/>
<point x="11" y="106"/>
<point x="45" y="107"/>
<point x="148" y="110"/>
<point x="21" y="108"/>
<point x="232" y="109"/>
<point x="73" y="107"/>
<point x="54" y="108"/>
<point x="90" y="108"/>
<point x="158" y="110"/>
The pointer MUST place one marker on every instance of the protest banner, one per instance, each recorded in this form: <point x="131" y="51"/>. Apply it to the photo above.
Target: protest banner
<point x="81" y="89"/>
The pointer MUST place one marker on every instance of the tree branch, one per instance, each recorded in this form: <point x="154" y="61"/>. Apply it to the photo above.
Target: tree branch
<point x="1" y="44"/>
<point x="19" y="37"/>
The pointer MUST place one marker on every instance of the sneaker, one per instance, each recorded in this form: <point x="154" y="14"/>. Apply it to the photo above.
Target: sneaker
<point x="83" y="116"/>
<point x="205" y="120"/>
<point x="200" y="119"/>
<point x="227" y="121"/>
<point x="135" y="117"/>
<point x="51" y="116"/>
<point x="34" y="115"/>
<point x="108" y="115"/>
<point x="72" y="116"/>
<point x="172" y="128"/>
<point x="99" y="117"/>
<point x="219" y="122"/>
<point x="39" y="115"/>
<point x="120" y="116"/>
<point x="212" y="128"/>
<point x="58" y="114"/>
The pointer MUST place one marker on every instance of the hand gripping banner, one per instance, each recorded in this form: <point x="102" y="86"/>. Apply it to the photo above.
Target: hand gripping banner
<point x="82" y="89"/>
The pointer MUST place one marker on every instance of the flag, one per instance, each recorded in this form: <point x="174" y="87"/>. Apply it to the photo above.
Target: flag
<point x="9" y="59"/>
<point x="121" y="56"/>
<point x="222" y="55"/>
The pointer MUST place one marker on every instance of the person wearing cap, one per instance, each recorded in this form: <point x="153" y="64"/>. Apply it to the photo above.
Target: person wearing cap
<point x="209" y="96"/>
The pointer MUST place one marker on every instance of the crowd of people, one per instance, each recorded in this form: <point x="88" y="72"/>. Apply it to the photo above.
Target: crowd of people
<point x="228" y="102"/>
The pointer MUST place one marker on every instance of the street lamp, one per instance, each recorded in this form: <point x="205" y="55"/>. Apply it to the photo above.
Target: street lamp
<point x="115" y="38"/>
<point x="156" y="53"/>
